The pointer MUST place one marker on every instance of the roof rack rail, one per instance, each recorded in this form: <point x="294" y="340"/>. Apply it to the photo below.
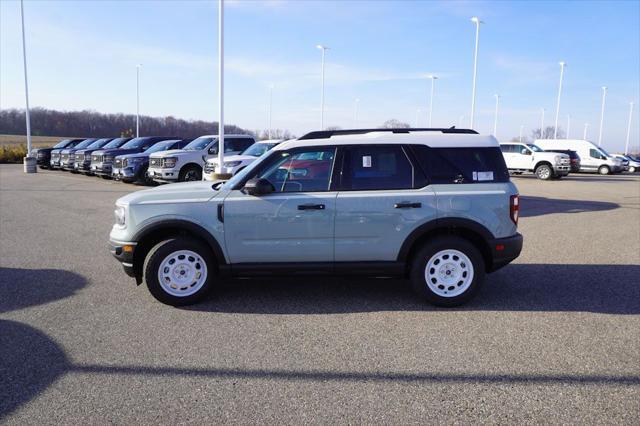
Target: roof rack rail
<point x="324" y="134"/>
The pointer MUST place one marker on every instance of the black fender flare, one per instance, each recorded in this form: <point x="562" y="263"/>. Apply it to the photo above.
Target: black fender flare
<point x="442" y="223"/>
<point x="187" y="226"/>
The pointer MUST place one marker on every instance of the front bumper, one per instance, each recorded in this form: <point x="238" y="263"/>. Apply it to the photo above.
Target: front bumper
<point x="124" y="174"/>
<point x="101" y="168"/>
<point x="82" y="167"/>
<point x="163" y="175"/>
<point x="43" y="161"/>
<point x="504" y="251"/>
<point x="562" y="170"/>
<point x="123" y="252"/>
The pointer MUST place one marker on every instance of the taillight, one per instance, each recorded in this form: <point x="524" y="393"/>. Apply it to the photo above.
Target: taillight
<point x="514" y="208"/>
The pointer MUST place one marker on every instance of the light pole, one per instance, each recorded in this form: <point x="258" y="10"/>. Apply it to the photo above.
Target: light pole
<point x="521" y="129"/>
<point x="584" y="134"/>
<point x="604" y="97"/>
<point x="138" y="100"/>
<point x="324" y="49"/>
<point x="542" y="125"/>
<point x="555" y="128"/>
<point x="270" y="107"/>
<point x="568" y="125"/>
<point x="495" y="119"/>
<point x="477" y="21"/>
<point x="220" y="174"/>
<point x="417" y="117"/>
<point x="433" y="80"/>
<point x="355" y="112"/>
<point x="29" y="164"/>
<point x="626" y="144"/>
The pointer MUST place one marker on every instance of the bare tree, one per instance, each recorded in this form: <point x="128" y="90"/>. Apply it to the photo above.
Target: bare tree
<point x="394" y="124"/>
<point x="548" y="133"/>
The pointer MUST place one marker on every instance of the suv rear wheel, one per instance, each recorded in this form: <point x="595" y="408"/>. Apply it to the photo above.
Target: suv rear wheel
<point x="179" y="271"/>
<point x="447" y="271"/>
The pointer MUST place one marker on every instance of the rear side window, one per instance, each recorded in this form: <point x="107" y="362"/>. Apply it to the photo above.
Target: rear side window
<point x="462" y="165"/>
<point x="378" y="167"/>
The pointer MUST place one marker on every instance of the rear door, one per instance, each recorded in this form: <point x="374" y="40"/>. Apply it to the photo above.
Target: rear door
<point x="383" y="197"/>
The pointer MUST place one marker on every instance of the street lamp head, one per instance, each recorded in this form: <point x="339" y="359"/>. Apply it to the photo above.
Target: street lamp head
<point x="321" y="47"/>
<point x="139" y="66"/>
<point x="496" y="96"/>
<point x="432" y="77"/>
<point x="476" y="20"/>
<point x="563" y="64"/>
<point x="604" y="88"/>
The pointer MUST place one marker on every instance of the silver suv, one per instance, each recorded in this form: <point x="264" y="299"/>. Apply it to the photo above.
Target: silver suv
<point x="433" y="205"/>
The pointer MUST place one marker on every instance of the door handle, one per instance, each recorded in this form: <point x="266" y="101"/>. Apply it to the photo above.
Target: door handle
<point x="406" y="205"/>
<point x="311" y="207"/>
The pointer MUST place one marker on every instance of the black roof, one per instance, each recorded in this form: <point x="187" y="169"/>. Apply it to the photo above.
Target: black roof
<point x="323" y="134"/>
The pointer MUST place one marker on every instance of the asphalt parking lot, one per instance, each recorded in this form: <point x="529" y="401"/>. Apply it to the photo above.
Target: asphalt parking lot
<point x="552" y="338"/>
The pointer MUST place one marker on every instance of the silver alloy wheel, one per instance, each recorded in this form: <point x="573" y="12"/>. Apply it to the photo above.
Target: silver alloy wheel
<point x="449" y="273"/>
<point x="632" y="169"/>
<point x="603" y="170"/>
<point x="182" y="273"/>
<point x="544" y="172"/>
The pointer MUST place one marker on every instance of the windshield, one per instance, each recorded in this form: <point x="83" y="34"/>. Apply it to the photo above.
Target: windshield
<point x="84" y="143"/>
<point x="115" y="143"/>
<point x="162" y="146"/>
<point x="257" y="149"/>
<point x="62" y="144"/>
<point x="99" y="143"/>
<point x="604" y="152"/>
<point x="134" y="143"/>
<point x="198" y="144"/>
<point x="535" y="148"/>
<point x="242" y="173"/>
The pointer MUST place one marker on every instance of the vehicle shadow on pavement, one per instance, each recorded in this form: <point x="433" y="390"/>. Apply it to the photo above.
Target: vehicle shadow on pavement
<point x="32" y="361"/>
<point x="538" y="206"/>
<point x="21" y="288"/>
<point x="607" y="289"/>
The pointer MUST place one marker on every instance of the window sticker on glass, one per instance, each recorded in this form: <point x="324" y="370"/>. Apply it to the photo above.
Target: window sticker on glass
<point x="482" y="176"/>
<point x="366" y="161"/>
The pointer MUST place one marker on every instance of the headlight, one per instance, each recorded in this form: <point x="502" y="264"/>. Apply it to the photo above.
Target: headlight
<point x="170" y="162"/>
<point x="232" y="163"/>
<point x="120" y="214"/>
<point x="557" y="159"/>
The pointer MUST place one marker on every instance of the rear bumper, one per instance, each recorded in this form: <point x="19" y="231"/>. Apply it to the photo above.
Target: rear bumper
<point x="504" y="251"/>
<point x="123" y="252"/>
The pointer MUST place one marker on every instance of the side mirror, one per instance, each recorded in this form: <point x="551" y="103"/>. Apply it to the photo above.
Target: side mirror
<point x="258" y="186"/>
<point x="525" y="151"/>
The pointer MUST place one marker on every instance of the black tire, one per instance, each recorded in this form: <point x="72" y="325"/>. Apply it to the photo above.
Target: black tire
<point x="190" y="173"/>
<point x="544" y="172"/>
<point x="160" y="252"/>
<point x="604" y="170"/>
<point x="430" y="249"/>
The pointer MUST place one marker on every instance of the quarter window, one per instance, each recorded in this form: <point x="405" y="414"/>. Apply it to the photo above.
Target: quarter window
<point x="462" y="165"/>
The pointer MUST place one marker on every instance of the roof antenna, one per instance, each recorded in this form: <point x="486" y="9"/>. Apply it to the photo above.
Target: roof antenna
<point x="452" y="127"/>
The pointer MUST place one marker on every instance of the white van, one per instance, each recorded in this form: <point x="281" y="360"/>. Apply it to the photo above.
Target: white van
<point x="593" y="158"/>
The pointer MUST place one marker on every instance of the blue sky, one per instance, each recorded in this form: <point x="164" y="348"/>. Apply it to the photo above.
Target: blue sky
<point x="82" y="55"/>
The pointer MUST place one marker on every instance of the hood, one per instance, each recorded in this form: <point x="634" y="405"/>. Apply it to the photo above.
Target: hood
<point x="175" y="193"/>
<point x="56" y="151"/>
<point x="238" y="157"/>
<point x="68" y="150"/>
<point x="548" y="154"/>
<point x="43" y="150"/>
<point x="135" y="155"/>
<point x="174" y="152"/>
<point x="116" y="151"/>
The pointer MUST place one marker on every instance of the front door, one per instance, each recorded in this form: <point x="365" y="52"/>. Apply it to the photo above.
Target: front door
<point x="295" y="223"/>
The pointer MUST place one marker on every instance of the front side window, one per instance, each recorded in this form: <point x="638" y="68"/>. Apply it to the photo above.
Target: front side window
<point x="382" y="167"/>
<point x="85" y="143"/>
<point x="300" y="171"/>
<point x="257" y="149"/>
<point x="535" y="148"/>
<point x="62" y="144"/>
<point x="594" y="153"/>
<point x="237" y="144"/>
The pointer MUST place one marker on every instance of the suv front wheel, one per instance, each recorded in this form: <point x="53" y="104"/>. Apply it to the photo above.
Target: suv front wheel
<point x="447" y="271"/>
<point x="179" y="271"/>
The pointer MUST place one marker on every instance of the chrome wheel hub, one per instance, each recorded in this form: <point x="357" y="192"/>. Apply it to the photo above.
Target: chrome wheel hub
<point x="182" y="273"/>
<point x="449" y="273"/>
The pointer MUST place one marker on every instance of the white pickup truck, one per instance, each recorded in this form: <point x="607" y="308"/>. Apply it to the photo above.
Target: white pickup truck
<point x="527" y="157"/>
<point x="182" y="165"/>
